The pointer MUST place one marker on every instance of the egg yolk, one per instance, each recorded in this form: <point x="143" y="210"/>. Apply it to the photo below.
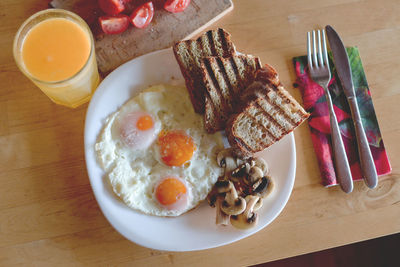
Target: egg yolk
<point x="144" y="123"/>
<point x="175" y="148"/>
<point x="170" y="191"/>
<point x="137" y="129"/>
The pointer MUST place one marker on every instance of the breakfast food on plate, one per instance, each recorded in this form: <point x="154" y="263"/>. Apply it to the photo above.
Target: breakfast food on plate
<point x="159" y="159"/>
<point x="268" y="113"/>
<point x="236" y="93"/>
<point x="189" y="53"/>
<point x="224" y="80"/>
<point x="239" y="193"/>
<point x="156" y="154"/>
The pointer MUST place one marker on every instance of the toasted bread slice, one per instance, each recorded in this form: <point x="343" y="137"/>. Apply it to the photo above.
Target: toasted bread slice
<point x="269" y="113"/>
<point x="189" y="54"/>
<point x="224" y="80"/>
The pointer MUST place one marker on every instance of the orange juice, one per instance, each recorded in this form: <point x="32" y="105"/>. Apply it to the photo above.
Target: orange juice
<point x="55" y="49"/>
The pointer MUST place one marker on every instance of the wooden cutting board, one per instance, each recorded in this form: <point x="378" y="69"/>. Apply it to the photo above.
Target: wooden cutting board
<point x="165" y="29"/>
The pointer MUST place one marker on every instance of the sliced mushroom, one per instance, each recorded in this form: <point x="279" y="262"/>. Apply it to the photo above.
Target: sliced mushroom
<point x="211" y="200"/>
<point x="239" y="161"/>
<point x="255" y="174"/>
<point x="232" y="204"/>
<point x="223" y="186"/>
<point x="221" y="218"/>
<point x="248" y="218"/>
<point x="240" y="172"/>
<point x="212" y="197"/>
<point x="221" y="157"/>
<point x="260" y="163"/>
<point x="230" y="165"/>
<point x="256" y="184"/>
<point x="226" y="159"/>
<point x="264" y="188"/>
<point x="258" y="204"/>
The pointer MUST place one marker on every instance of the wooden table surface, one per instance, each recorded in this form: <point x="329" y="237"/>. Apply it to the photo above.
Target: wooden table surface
<point x="49" y="216"/>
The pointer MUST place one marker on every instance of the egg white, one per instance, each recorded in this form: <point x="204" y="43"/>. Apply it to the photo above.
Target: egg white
<point x="133" y="173"/>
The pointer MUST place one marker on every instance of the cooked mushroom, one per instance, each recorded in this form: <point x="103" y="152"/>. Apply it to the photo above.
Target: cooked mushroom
<point x="212" y="197"/>
<point x="255" y="173"/>
<point x="223" y="186"/>
<point x="240" y="172"/>
<point x="230" y="164"/>
<point x="226" y="159"/>
<point x="232" y="204"/>
<point x="258" y="205"/>
<point x="256" y="184"/>
<point x="264" y="188"/>
<point x="221" y="218"/>
<point x="248" y="218"/>
<point x="239" y="161"/>
<point x="261" y="163"/>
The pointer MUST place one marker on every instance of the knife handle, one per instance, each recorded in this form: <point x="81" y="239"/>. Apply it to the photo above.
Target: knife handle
<point x="343" y="172"/>
<point x="366" y="161"/>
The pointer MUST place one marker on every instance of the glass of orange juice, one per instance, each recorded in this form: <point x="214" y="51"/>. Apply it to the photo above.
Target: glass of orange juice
<point x="55" y="49"/>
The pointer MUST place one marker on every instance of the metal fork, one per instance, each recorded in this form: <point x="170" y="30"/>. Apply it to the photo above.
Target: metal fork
<point x="318" y="65"/>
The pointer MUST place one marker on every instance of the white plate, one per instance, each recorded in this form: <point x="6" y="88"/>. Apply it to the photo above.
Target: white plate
<point x="196" y="229"/>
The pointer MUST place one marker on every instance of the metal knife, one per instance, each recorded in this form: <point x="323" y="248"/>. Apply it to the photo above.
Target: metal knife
<point x="344" y="72"/>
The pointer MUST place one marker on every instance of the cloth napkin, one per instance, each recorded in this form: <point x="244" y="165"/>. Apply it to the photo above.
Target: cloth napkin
<point x="314" y="102"/>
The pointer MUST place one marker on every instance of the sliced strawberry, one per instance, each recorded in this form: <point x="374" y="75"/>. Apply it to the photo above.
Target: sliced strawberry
<point x="114" y="24"/>
<point x="176" y="6"/>
<point x="142" y="16"/>
<point x="112" y="7"/>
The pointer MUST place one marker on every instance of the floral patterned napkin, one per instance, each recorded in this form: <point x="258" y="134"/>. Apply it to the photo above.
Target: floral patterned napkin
<point x="315" y="103"/>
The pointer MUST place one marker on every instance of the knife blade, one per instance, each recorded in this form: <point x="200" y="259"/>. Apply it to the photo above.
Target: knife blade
<point x="343" y="70"/>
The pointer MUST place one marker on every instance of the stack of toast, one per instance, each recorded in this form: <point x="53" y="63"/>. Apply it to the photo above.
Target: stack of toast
<point x="236" y="93"/>
<point x="189" y="54"/>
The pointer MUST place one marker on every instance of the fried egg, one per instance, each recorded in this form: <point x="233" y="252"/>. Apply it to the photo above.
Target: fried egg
<point x="156" y="155"/>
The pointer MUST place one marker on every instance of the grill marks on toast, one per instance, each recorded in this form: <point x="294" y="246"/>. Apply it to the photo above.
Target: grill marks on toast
<point x="271" y="113"/>
<point x="268" y="122"/>
<point x="234" y="84"/>
<point x="211" y="40"/>
<point x="215" y="101"/>
<point x="218" y="89"/>
<point x="209" y="114"/>
<point x="228" y="90"/>
<point x="217" y="79"/>
<point x="224" y="42"/>
<point x="189" y="53"/>
<point x="225" y="79"/>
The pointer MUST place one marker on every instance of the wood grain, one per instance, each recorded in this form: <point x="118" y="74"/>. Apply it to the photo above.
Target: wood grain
<point x="165" y="29"/>
<point x="48" y="214"/>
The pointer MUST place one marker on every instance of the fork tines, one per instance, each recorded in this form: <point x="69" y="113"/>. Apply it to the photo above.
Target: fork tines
<point x="317" y="58"/>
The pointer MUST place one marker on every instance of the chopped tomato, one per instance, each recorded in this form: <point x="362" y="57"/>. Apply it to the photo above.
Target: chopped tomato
<point x="114" y="24"/>
<point x="112" y="7"/>
<point x="142" y="16"/>
<point x="176" y="6"/>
